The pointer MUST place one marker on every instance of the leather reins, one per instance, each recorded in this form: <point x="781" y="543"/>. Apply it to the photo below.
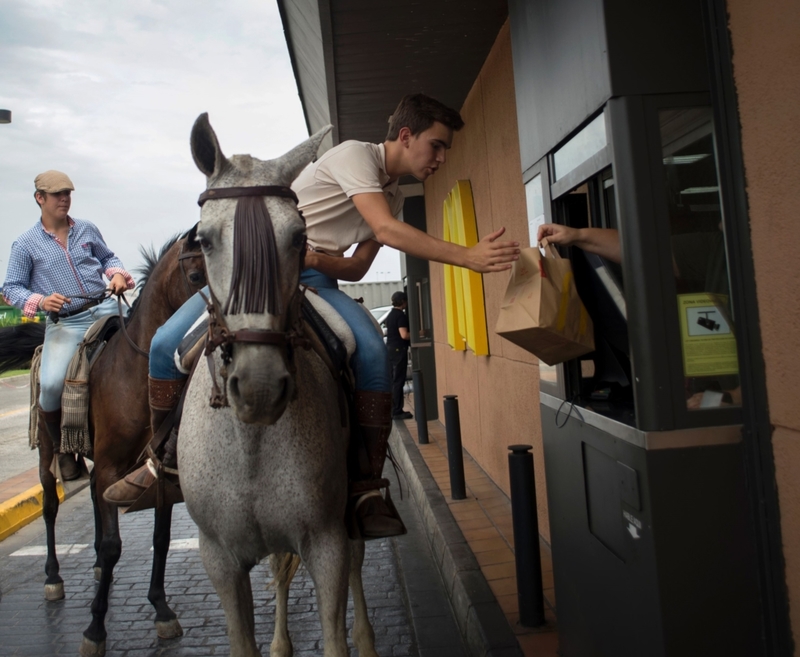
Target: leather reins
<point x="220" y="336"/>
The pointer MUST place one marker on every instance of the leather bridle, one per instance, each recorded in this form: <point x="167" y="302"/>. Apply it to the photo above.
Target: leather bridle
<point x="221" y="337"/>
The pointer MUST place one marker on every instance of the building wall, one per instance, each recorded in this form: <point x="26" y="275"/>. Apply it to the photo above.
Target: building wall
<point x="499" y="394"/>
<point x="766" y="63"/>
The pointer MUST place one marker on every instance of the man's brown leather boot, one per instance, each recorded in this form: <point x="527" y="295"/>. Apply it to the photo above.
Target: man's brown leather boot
<point x="164" y="396"/>
<point x="375" y="513"/>
<point x="66" y="462"/>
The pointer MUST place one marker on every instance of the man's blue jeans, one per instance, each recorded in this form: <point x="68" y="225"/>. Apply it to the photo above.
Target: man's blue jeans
<point x="61" y="341"/>
<point x="169" y="336"/>
<point x="370" y="362"/>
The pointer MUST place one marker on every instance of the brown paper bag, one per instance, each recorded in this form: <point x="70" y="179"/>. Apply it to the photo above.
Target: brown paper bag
<point x="542" y="312"/>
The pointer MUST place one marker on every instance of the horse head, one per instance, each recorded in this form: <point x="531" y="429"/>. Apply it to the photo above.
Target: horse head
<point x="253" y="239"/>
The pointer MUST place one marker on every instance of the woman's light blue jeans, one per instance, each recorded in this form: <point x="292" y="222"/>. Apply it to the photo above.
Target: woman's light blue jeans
<point x="370" y="362"/>
<point x="61" y="341"/>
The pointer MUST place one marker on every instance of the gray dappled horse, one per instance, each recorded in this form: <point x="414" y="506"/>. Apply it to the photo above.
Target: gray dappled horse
<point x="264" y="473"/>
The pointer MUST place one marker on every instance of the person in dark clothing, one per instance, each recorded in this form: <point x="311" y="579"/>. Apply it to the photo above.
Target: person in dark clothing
<point x="397" y="341"/>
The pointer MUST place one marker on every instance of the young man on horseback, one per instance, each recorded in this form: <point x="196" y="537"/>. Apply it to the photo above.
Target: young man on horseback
<point x="350" y="196"/>
<point x="58" y="266"/>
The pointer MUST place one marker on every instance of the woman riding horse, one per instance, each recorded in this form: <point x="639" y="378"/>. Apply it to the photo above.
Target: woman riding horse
<point x="349" y="196"/>
<point x="58" y="266"/>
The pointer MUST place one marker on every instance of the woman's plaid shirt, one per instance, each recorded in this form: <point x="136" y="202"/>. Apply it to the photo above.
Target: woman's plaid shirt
<point x="41" y="264"/>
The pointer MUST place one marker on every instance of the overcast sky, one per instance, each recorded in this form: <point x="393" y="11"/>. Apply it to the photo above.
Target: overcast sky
<point x="108" y="91"/>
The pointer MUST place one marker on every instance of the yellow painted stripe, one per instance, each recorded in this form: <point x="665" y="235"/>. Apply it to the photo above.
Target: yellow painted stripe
<point x="15" y="411"/>
<point x="23" y="509"/>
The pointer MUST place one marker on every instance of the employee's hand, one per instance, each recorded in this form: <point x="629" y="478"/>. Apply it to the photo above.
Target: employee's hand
<point x="489" y="255"/>
<point x="117" y="284"/>
<point x="556" y="234"/>
<point x="54" y="302"/>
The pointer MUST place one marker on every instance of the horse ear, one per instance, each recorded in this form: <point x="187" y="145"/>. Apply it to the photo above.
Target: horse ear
<point x="206" y="151"/>
<point x="292" y="163"/>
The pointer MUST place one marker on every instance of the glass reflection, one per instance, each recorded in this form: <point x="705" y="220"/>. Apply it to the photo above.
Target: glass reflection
<point x="707" y="327"/>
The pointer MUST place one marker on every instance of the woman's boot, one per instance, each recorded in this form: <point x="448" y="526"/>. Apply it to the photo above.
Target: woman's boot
<point x="375" y="513"/>
<point x="164" y="396"/>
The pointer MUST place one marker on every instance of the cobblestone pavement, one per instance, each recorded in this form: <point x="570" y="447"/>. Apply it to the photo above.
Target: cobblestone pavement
<point x="31" y="626"/>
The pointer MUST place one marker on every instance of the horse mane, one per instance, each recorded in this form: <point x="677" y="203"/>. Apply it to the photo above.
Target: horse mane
<point x="152" y="257"/>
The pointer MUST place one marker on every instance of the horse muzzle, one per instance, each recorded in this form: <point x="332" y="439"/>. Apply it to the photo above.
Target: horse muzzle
<point x="260" y="385"/>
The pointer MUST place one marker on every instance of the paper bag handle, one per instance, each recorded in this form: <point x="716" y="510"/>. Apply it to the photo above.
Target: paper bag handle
<point x="550" y="249"/>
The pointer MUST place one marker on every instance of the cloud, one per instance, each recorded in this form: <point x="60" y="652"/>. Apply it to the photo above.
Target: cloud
<point x="108" y="93"/>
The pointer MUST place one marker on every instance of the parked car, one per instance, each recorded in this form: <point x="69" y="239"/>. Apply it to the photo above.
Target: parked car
<point x="380" y="314"/>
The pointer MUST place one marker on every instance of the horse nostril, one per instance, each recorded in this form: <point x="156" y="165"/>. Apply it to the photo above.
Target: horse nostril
<point x="233" y="386"/>
<point x="284" y="388"/>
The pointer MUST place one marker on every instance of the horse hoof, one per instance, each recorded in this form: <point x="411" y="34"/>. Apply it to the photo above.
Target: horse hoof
<point x="98" y="573"/>
<point x="91" y="649"/>
<point x="53" y="592"/>
<point x="169" y="629"/>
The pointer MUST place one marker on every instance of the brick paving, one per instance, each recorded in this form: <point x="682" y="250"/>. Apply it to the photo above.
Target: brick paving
<point x="30" y="626"/>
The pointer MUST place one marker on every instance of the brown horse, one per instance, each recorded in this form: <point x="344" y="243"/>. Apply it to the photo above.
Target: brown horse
<point x="119" y="425"/>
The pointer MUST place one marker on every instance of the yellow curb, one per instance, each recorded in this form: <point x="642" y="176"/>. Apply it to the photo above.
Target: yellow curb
<point x="23" y="509"/>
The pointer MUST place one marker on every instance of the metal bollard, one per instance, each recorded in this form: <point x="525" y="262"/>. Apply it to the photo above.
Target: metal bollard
<point x="526" y="536"/>
<point x="455" y="455"/>
<point x="420" y="410"/>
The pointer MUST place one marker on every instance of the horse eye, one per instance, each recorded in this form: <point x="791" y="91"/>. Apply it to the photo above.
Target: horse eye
<point x="204" y="243"/>
<point x="299" y="239"/>
<point x="195" y="278"/>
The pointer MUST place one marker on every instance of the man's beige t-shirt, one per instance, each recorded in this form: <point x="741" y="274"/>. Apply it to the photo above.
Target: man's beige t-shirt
<point x="326" y="186"/>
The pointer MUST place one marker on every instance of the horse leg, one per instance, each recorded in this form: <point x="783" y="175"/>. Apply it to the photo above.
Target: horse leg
<point x="232" y="584"/>
<point x="167" y="625"/>
<point x="327" y="560"/>
<point x="363" y="634"/>
<point x="54" y="585"/>
<point x="283" y="567"/>
<point x="94" y="637"/>
<point x="98" y="525"/>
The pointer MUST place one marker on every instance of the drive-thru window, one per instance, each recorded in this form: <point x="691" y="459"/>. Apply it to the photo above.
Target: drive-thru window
<point x="653" y="545"/>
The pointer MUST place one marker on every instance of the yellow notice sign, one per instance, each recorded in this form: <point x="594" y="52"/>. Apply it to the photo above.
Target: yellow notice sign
<point x="707" y="339"/>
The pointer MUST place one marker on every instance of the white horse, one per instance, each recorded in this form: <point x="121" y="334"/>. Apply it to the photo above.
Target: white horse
<point x="266" y="474"/>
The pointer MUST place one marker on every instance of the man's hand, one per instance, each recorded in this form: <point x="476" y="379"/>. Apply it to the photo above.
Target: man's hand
<point x="488" y="255"/>
<point x="310" y="261"/>
<point x="117" y="284"/>
<point x="53" y="303"/>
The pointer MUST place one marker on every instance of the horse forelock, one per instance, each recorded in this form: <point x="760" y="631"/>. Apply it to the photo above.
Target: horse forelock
<point x="255" y="277"/>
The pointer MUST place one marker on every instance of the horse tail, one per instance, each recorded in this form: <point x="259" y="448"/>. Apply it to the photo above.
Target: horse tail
<point x="283" y="566"/>
<point x="17" y="344"/>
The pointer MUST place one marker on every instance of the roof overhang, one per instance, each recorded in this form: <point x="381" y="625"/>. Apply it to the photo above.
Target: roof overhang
<point x="355" y="59"/>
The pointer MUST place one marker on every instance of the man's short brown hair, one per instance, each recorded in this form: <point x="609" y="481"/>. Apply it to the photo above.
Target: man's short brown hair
<point x="418" y="112"/>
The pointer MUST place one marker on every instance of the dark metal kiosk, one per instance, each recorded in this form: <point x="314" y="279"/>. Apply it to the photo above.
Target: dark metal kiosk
<point x="654" y="542"/>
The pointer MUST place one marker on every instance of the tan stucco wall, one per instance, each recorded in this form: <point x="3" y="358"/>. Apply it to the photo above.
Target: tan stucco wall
<point x="498" y="395"/>
<point x="766" y="61"/>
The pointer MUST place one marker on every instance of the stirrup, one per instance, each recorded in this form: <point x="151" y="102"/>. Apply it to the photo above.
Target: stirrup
<point x="162" y="491"/>
<point x="382" y="522"/>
